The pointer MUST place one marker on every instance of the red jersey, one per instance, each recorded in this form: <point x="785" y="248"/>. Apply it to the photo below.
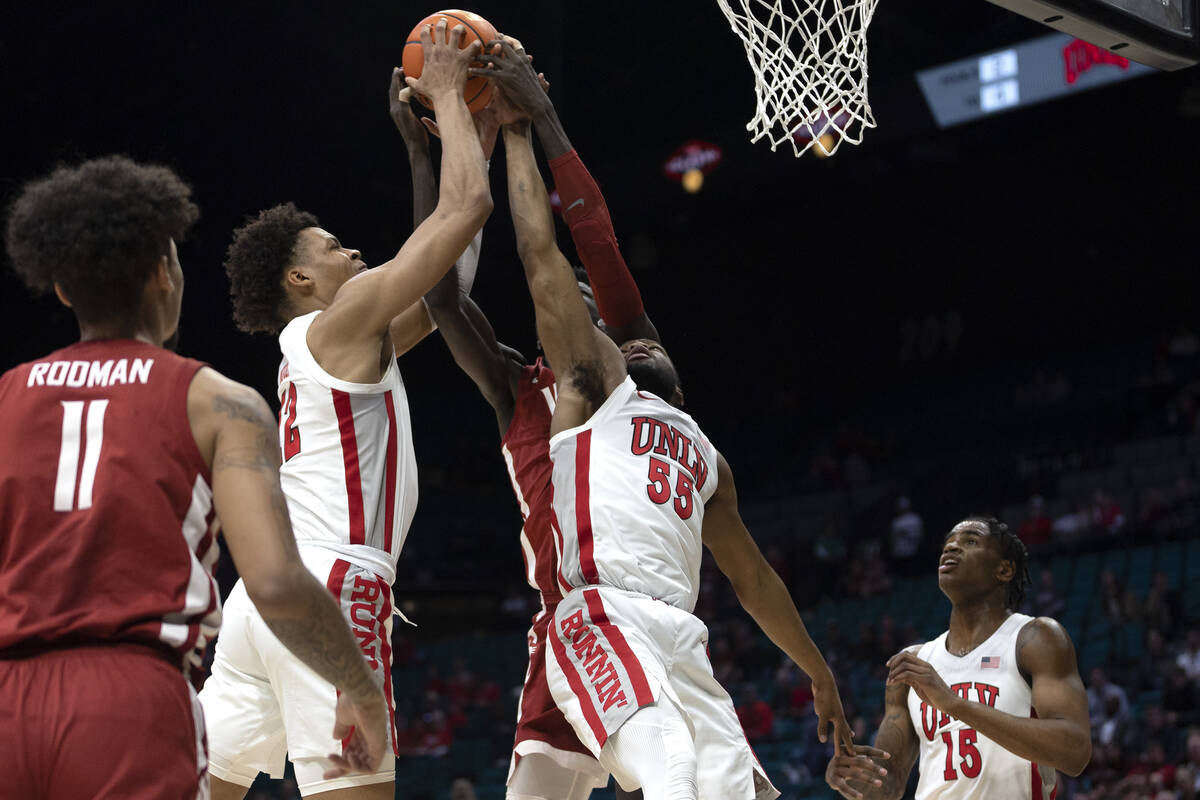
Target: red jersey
<point x="526" y="448"/>
<point x="107" y="530"/>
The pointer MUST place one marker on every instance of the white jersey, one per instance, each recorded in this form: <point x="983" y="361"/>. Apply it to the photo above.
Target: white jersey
<point x="349" y="473"/>
<point x="630" y="486"/>
<point x="957" y="763"/>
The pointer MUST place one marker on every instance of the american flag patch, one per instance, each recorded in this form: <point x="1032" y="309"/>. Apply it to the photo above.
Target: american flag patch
<point x="989" y="662"/>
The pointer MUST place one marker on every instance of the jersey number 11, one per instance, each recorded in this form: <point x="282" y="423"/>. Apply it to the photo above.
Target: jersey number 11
<point x="71" y="480"/>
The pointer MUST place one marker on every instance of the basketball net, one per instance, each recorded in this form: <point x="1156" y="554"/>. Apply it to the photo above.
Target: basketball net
<point x="809" y="59"/>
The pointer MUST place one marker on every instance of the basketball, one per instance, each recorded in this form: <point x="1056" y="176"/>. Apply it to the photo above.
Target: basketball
<point x="478" y="91"/>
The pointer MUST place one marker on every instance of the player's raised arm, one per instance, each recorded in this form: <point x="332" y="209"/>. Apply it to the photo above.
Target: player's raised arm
<point x="238" y="436"/>
<point x="365" y="306"/>
<point x="589" y="365"/>
<point x="763" y="595"/>
<point x="464" y="327"/>
<point x="617" y="297"/>
<point x="880" y="772"/>
<point x="1059" y="736"/>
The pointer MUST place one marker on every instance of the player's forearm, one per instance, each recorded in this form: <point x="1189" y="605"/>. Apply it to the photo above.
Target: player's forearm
<point x="475" y="351"/>
<point x="1059" y="743"/>
<point x="424" y="181"/>
<point x="314" y="629"/>
<point x="551" y="134"/>
<point x="463" y="187"/>
<point x="766" y="599"/>
<point x="530" y="206"/>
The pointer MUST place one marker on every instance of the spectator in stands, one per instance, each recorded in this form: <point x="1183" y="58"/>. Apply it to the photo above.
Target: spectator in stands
<point x="1163" y="607"/>
<point x="1179" y="699"/>
<point x="1035" y="528"/>
<point x="1106" y="513"/>
<point x="1100" y="690"/>
<point x="793" y="690"/>
<point x="1115" y="723"/>
<point x="1157" y="663"/>
<point x="1073" y="526"/>
<point x="1156" y="729"/>
<point x="435" y="737"/>
<point x="908" y="531"/>
<point x="462" y="789"/>
<point x="1119" y="604"/>
<point x="1189" y="659"/>
<point x="1047" y="602"/>
<point x="875" y="578"/>
<point x="756" y="716"/>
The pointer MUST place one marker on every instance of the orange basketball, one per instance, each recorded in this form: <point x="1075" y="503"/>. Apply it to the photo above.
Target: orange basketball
<point x="478" y="92"/>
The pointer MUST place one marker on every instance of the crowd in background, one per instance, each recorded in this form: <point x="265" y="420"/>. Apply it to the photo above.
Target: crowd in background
<point x="1144" y="749"/>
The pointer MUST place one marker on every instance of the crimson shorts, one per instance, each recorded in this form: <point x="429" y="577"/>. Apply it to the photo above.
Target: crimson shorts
<point x="102" y="721"/>
<point x="541" y="727"/>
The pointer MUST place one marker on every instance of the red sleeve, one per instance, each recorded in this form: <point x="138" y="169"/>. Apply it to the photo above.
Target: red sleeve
<point x="585" y="211"/>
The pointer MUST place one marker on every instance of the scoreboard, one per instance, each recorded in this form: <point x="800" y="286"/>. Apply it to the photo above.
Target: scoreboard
<point x="1030" y="72"/>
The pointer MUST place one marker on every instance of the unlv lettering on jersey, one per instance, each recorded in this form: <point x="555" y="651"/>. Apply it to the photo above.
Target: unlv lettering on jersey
<point x="650" y="434"/>
<point x="933" y="720"/>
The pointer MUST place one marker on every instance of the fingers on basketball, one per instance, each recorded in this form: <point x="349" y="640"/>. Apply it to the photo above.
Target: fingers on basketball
<point x="475" y="33"/>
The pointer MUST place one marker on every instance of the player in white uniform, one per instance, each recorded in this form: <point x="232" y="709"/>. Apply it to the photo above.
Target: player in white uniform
<point x="993" y="706"/>
<point x="637" y="488"/>
<point x="349" y="474"/>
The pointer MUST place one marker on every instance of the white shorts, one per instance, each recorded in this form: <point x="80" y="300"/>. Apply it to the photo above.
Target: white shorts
<point x="263" y="705"/>
<point x="613" y="652"/>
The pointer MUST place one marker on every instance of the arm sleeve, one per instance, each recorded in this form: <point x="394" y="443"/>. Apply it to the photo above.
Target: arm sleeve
<point x="586" y="213"/>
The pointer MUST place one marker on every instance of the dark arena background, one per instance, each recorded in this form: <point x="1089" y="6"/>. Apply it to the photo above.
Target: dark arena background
<point x="998" y="316"/>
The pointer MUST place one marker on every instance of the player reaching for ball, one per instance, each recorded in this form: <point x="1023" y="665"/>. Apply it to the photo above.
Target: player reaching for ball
<point x="120" y="458"/>
<point x="348" y="471"/>
<point x="993" y="706"/>
<point x="549" y="762"/>
<point x="637" y="488"/>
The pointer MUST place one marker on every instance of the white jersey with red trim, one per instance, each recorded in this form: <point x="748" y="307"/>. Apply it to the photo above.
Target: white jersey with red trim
<point x="349" y="473"/>
<point x="958" y="763"/>
<point x="630" y="486"/>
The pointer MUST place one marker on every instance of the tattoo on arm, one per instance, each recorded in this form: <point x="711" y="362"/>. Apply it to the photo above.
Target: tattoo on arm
<point x="260" y="454"/>
<point x="319" y="637"/>
<point x="896" y="736"/>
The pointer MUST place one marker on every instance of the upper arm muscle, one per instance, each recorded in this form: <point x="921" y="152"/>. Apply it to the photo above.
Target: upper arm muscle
<point x="1045" y="654"/>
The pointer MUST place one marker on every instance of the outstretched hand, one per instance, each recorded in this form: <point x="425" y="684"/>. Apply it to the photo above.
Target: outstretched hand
<point x="446" y="62"/>
<point x="362" y="728"/>
<point x="859" y="766"/>
<point x="400" y="107"/>
<point x="923" y="678"/>
<point x="522" y="91"/>
<point x="831" y="717"/>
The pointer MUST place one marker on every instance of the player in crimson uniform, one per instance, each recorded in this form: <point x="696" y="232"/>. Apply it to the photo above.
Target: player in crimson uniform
<point x="120" y="457"/>
<point x="349" y="473"/>
<point x="548" y="760"/>
<point x="993" y="706"/>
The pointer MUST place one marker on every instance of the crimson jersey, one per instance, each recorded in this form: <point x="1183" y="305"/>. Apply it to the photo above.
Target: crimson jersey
<point x="526" y="448"/>
<point x="107" y="531"/>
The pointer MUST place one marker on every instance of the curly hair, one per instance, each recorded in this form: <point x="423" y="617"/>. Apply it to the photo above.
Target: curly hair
<point x="261" y="250"/>
<point x="1011" y="549"/>
<point x="98" y="230"/>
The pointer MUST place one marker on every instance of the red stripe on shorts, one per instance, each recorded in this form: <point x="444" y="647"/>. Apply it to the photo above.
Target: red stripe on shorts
<point x="583" y="509"/>
<point x="641" y="687"/>
<point x="334" y="583"/>
<point x="354" y="498"/>
<point x="385" y="653"/>
<point x="389" y="486"/>
<point x="581" y="692"/>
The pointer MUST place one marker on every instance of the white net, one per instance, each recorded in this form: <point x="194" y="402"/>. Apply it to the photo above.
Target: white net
<point x="809" y="59"/>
